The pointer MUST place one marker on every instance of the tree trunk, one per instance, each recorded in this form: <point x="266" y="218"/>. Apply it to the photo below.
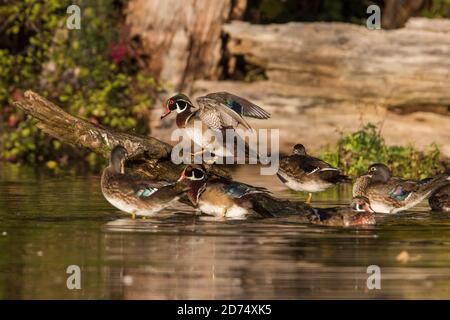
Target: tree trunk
<point x="181" y="39"/>
<point x="397" y="12"/>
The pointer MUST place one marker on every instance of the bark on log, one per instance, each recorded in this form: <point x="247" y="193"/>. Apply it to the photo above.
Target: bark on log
<point x="328" y="62"/>
<point x="181" y="39"/>
<point x="80" y="133"/>
<point x="149" y="157"/>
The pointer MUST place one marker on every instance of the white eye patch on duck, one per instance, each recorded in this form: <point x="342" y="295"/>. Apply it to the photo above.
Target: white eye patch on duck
<point x="181" y="105"/>
<point x="196" y="175"/>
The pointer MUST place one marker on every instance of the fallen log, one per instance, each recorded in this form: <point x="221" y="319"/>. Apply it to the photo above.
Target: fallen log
<point x="340" y="62"/>
<point x="149" y="157"/>
<point x="323" y="79"/>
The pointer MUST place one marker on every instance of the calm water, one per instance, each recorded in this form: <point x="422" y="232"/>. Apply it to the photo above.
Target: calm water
<point x="48" y="223"/>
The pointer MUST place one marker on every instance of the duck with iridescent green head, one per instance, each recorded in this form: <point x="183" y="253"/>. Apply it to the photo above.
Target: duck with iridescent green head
<point x="216" y="112"/>
<point x="221" y="197"/>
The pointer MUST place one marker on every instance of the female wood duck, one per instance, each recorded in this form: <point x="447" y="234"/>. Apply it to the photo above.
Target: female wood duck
<point x="389" y="194"/>
<point x="217" y="112"/>
<point x="357" y="214"/>
<point x="301" y="172"/>
<point x="135" y="195"/>
<point x="218" y="196"/>
<point x="440" y="199"/>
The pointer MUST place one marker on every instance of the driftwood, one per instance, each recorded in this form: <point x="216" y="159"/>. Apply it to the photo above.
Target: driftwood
<point x="327" y="77"/>
<point x="149" y="157"/>
<point x="344" y="62"/>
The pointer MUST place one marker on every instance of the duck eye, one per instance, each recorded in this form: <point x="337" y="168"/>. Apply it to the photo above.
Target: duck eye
<point x="198" y="174"/>
<point x="373" y="169"/>
<point x="172" y="106"/>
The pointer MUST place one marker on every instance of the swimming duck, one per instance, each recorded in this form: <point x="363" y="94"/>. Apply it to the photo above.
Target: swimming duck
<point x="440" y="199"/>
<point x="216" y="112"/>
<point x="357" y="214"/>
<point x="135" y="195"/>
<point x="389" y="194"/>
<point x="219" y="196"/>
<point x="302" y="172"/>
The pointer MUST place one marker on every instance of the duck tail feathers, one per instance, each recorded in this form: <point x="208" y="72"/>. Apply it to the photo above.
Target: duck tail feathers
<point x="340" y="179"/>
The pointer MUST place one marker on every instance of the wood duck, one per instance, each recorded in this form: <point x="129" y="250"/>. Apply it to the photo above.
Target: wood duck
<point x="357" y="214"/>
<point x="301" y="172"/>
<point x="216" y="112"/>
<point x="133" y="194"/>
<point x="219" y="196"/>
<point x="440" y="199"/>
<point x="389" y="194"/>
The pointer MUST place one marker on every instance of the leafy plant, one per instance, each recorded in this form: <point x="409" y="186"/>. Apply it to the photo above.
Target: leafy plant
<point x="355" y="152"/>
<point x="437" y="9"/>
<point x="89" y="72"/>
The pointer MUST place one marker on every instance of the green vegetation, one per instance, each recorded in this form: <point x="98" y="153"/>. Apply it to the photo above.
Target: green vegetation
<point x="437" y="9"/>
<point x="355" y="152"/>
<point x="90" y="72"/>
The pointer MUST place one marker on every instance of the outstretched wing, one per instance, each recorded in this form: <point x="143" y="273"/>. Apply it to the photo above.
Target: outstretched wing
<point x="223" y="110"/>
<point x="239" y="105"/>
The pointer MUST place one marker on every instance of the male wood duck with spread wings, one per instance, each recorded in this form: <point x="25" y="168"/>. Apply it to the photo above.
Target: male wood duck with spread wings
<point x="389" y="194"/>
<point x="135" y="195"/>
<point x="217" y="112"/>
<point x="302" y="172"/>
<point x="221" y="197"/>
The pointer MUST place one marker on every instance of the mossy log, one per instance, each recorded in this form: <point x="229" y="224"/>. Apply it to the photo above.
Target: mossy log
<point x="149" y="157"/>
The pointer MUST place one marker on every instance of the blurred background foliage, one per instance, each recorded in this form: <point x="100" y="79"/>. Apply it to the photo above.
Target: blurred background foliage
<point x="355" y="152"/>
<point x="280" y="11"/>
<point x="437" y="9"/>
<point x="89" y="72"/>
<point x="93" y="73"/>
